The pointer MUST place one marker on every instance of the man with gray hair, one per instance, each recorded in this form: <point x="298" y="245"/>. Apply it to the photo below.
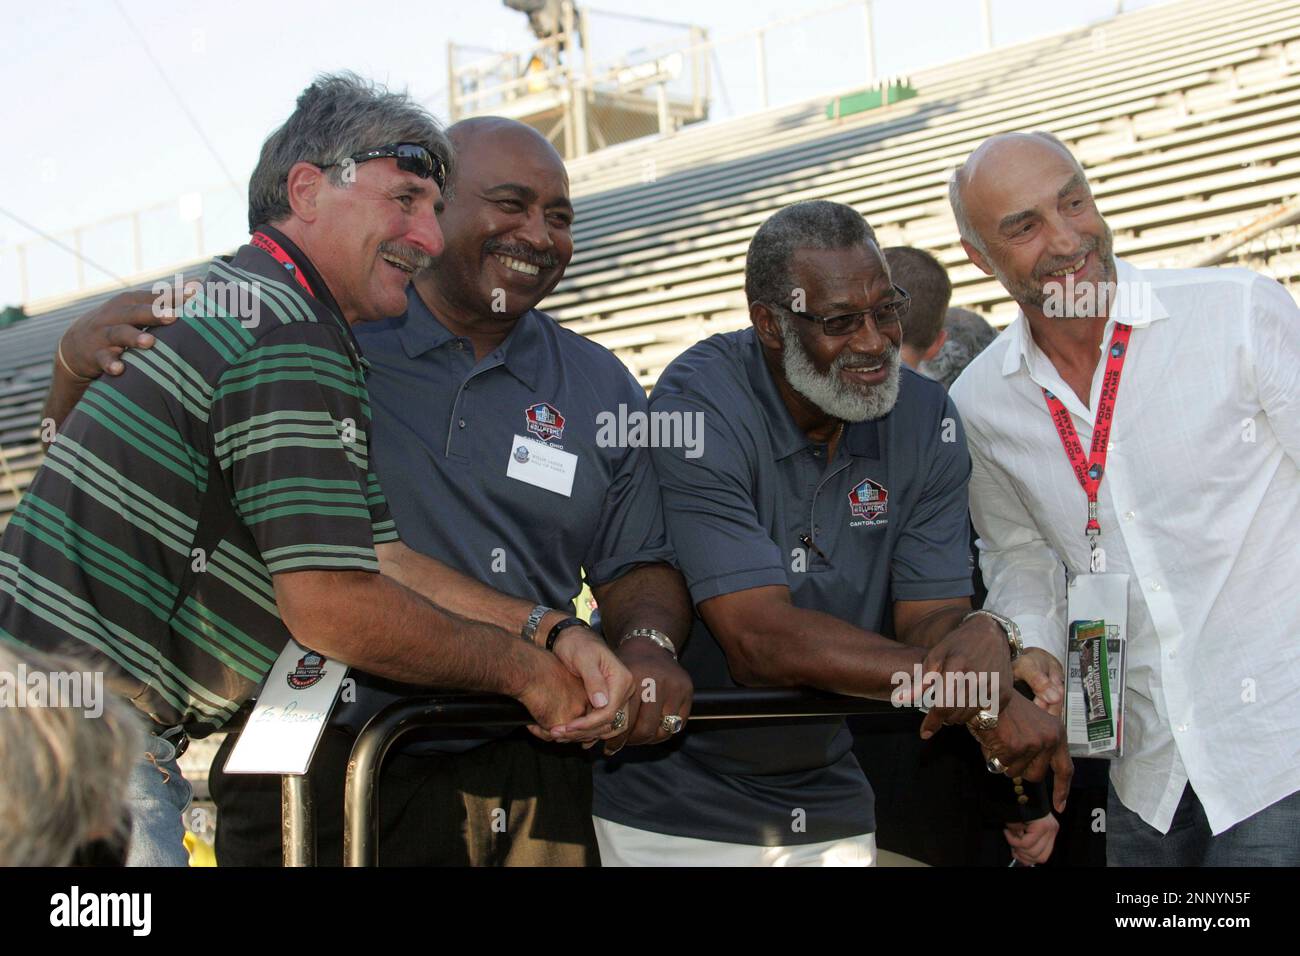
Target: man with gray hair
<point x="215" y="500"/>
<point x="831" y="493"/>
<point x="1140" y="430"/>
<point x="965" y="335"/>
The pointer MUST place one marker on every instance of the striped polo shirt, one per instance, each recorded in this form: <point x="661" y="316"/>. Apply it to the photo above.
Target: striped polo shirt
<point x="234" y="449"/>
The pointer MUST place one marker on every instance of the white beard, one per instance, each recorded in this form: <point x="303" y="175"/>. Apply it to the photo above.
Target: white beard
<point x="830" y="392"/>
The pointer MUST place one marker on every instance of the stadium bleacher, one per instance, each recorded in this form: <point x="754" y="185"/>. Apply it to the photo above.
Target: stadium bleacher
<point x="1185" y="115"/>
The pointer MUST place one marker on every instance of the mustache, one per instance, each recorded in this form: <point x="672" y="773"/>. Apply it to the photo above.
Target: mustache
<point x="850" y="361"/>
<point x="1044" y="270"/>
<point x="417" y="258"/>
<point x="543" y="260"/>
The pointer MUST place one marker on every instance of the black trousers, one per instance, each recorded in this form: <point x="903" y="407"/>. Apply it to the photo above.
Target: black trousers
<point x="516" y="801"/>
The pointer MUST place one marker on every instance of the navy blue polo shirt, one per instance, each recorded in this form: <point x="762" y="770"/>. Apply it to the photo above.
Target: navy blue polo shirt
<point x="887" y="520"/>
<point x="444" y="429"/>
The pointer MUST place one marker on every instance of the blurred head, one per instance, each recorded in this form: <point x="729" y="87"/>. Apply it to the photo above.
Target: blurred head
<point x="820" y="259"/>
<point x="926" y="281"/>
<point x="63" y="773"/>
<point x="367" y="226"/>
<point x="967" y="335"/>
<point x="1026" y="215"/>
<point x="508" y="222"/>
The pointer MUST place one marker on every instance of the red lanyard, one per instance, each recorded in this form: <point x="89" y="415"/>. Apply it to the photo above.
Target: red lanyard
<point x="1092" y="469"/>
<point x="264" y="242"/>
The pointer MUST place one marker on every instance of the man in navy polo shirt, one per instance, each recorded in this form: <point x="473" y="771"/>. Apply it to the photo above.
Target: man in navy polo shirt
<point x="830" y="492"/>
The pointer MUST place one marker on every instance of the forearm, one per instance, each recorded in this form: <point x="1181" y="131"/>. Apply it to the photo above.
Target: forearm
<point x="650" y="596"/>
<point x="374" y="623"/>
<point x="65" y="391"/>
<point x="928" y="631"/>
<point x="795" y="647"/>
<point x="459" y="593"/>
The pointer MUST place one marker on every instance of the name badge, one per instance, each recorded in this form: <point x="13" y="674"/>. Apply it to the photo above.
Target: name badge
<point x="537" y="463"/>
<point x="285" y="726"/>
<point x="1096" y="665"/>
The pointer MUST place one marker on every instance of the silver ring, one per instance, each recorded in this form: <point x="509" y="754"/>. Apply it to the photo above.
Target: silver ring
<point x="995" y="765"/>
<point x="620" y="720"/>
<point x="672" y="724"/>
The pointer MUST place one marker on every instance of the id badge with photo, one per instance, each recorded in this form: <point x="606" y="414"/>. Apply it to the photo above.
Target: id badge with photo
<point x="1097" y="616"/>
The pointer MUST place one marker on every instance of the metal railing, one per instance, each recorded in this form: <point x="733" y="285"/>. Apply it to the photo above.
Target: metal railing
<point x="390" y="725"/>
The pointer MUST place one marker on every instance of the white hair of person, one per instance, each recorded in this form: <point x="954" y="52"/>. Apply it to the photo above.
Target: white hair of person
<point x="63" y="773"/>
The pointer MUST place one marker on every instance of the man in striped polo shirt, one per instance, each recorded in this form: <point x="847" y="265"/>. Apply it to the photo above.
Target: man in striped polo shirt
<point x="216" y="498"/>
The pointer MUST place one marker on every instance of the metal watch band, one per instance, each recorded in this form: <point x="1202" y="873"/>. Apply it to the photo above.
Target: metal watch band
<point x="1011" y="628"/>
<point x="529" y="632"/>
<point x="653" y="636"/>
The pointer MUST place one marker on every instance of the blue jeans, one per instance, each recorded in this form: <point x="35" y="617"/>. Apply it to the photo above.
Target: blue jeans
<point x="1269" y="838"/>
<point x="157" y="795"/>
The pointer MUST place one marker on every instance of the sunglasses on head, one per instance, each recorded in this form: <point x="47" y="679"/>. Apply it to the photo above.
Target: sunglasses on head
<point x="411" y="158"/>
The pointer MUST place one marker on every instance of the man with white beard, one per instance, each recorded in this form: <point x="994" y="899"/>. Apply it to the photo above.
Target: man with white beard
<point x="829" y="495"/>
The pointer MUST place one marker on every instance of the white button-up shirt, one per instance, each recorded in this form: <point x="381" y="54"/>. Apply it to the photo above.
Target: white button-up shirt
<point x="1199" y="505"/>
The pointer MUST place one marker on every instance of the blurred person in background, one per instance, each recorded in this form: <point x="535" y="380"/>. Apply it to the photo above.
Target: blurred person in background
<point x="966" y="335"/>
<point x="65" y="764"/>
<point x="926" y="281"/>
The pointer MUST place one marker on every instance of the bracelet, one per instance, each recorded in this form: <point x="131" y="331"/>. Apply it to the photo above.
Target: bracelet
<point x="568" y="622"/>
<point x="529" y="631"/>
<point x="68" y="368"/>
<point x="658" y="638"/>
<point x="1010" y="628"/>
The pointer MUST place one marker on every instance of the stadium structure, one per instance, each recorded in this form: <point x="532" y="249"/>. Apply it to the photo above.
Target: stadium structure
<point x="1185" y="115"/>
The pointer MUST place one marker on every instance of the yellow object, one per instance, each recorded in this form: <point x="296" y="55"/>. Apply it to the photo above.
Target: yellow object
<point x="201" y="851"/>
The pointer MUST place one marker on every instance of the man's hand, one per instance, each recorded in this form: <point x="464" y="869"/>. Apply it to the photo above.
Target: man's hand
<point x="608" y="687"/>
<point x="662" y="689"/>
<point x="1027" y="740"/>
<point x="1031" y="843"/>
<point x="1042" y="672"/>
<point x="978" y="646"/>
<point x="95" y="342"/>
<point x="553" y="696"/>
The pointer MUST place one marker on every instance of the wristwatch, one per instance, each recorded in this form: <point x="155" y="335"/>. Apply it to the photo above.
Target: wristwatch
<point x="1011" y="628"/>
<point x="529" y="631"/>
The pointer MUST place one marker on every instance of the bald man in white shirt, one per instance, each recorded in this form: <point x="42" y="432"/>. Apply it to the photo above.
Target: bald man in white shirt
<point x="1197" y="497"/>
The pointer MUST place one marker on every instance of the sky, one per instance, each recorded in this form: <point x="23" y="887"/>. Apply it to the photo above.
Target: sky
<point x="99" y="94"/>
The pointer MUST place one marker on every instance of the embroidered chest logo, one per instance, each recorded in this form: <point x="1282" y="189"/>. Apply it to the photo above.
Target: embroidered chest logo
<point x="545" y="421"/>
<point x="310" y="669"/>
<point x="868" y="501"/>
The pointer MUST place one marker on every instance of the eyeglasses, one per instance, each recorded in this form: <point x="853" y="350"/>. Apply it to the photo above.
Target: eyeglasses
<point x="885" y="316"/>
<point x="411" y="158"/>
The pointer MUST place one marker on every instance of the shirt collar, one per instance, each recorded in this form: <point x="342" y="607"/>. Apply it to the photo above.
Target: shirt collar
<point x="320" y="290"/>
<point x="422" y="332"/>
<point x="861" y="439"/>
<point x="1136" y="304"/>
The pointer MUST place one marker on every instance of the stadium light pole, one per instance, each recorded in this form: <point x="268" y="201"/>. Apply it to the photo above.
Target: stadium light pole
<point x="986" y="9"/>
<point x="871" y="43"/>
